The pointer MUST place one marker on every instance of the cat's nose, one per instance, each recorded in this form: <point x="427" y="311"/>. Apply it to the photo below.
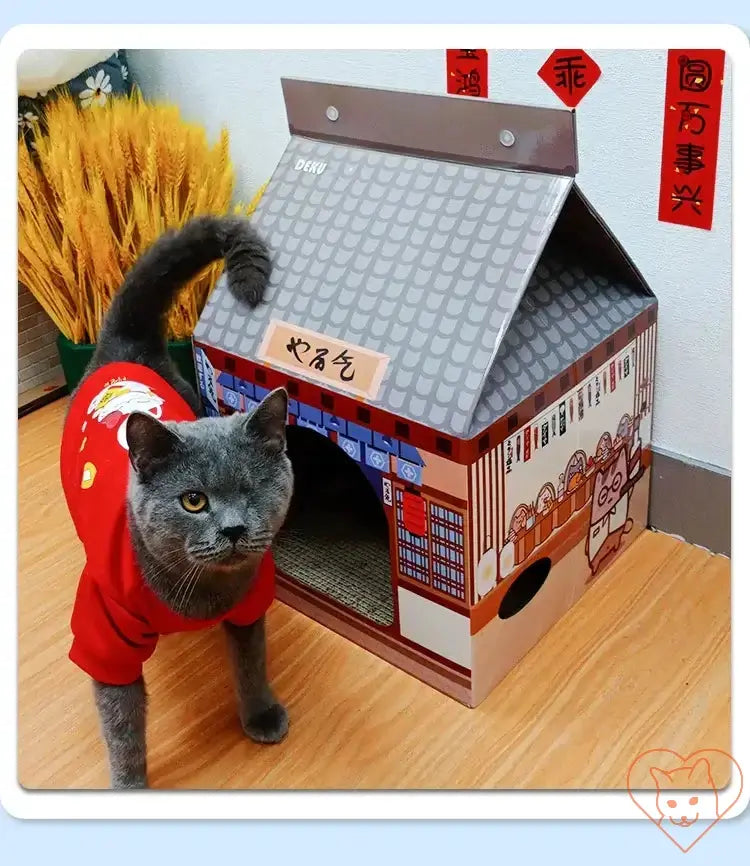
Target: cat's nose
<point x="233" y="533"/>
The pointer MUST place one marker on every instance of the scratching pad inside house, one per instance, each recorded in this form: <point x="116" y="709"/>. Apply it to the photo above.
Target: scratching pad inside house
<point x="335" y="539"/>
<point x="347" y="562"/>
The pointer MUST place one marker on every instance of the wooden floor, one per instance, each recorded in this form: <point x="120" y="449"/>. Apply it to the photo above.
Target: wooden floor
<point x="641" y="662"/>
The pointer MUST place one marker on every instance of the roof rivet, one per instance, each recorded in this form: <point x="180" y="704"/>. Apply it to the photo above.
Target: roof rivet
<point x="332" y="113"/>
<point x="507" y="139"/>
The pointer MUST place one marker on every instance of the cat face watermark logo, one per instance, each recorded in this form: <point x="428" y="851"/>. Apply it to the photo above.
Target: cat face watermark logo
<point x="684" y="797"/>
<point x="310" y="166"/>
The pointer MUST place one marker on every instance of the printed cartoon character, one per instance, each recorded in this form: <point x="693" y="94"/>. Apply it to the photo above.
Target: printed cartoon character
<point x="604" y="448"/>
<point x="518" y="522"/>
<point x="546" y="500"/>
<point x="624" y="432"/>
<point x="609" y="512"/>
<point x="112" y="406"/>
<point x="575" y="471"/>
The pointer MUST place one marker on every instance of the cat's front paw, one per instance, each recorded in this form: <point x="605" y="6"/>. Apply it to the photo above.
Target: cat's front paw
<point x="267" y="726"/>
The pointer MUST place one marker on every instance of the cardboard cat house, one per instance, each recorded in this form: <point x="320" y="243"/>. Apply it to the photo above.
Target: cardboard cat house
<point x="469" y="354"/>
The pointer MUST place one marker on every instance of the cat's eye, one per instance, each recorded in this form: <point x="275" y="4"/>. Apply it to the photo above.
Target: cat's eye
<point x="193" y="501"/>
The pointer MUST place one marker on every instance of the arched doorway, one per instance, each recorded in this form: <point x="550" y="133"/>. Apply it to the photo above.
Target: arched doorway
<point x="335" y="538"/>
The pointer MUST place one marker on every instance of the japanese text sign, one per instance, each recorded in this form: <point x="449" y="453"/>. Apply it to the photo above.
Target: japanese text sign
<point x="325" y="359"/>
<point x="467" y="71"/>
<point x="690" y="145"/>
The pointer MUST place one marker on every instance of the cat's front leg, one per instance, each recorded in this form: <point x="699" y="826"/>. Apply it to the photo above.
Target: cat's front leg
<point x="122" y="710"/>
<point x="263" y="718"/>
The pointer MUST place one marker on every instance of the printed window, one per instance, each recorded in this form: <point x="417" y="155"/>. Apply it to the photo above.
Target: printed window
<point x="447" y="549"/>
<point x="412" y="549"/>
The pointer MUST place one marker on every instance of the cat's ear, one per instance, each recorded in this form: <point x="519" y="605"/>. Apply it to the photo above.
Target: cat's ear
<point x="150" y="443"/>
<point x="700" y="774"/>
<point x="268" y="421"/>
<point x="661" y="777"/>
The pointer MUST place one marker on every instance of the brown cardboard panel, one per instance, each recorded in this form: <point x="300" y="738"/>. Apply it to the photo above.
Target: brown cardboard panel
<point x="502" y="643"/>
<point x="446" y="127"/>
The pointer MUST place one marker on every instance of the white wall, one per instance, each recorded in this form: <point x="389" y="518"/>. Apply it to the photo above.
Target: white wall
<point x="619" y="127"/>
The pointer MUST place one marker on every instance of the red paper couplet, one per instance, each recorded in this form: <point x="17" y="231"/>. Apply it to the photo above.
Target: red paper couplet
<point x="467" y="71"/>
<point x="690" y="144"/>
<point x="570" y="73"/>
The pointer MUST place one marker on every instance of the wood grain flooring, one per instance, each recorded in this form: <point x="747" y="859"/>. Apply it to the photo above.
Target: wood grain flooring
<point x="641" y="662"/>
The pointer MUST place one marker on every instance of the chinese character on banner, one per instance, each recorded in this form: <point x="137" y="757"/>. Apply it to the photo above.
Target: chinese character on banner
<point x="509" y="457"/>
<point x="690" y="139"/>
<point x="563" y="426"/>
<point x="518" y="448"/>
<point x="580" y="404"/>
<point x="536" y="438"/>
<point x="527" y="444"/>
<point x="612" y="376"/>
<point x="467" y="71"/>
<point x="545" y="433"/>
<point x="571" y="73"/>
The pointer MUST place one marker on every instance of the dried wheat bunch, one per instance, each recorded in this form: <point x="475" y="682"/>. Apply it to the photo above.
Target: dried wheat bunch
<point x="103" y="185"/>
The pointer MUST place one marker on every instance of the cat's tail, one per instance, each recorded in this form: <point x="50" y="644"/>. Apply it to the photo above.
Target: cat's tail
<point x="137" y="314"/>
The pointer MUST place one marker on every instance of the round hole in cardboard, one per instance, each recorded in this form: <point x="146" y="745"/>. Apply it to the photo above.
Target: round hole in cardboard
<point x="524" y="588"/>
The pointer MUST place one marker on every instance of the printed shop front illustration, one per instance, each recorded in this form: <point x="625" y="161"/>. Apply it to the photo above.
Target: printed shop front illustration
<point x="473" y="391"/>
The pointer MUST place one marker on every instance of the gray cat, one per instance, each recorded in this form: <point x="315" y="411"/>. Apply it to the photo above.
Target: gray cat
<point x="204" y="497"/>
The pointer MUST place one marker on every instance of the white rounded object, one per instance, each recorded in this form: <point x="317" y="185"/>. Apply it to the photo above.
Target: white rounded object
<point x="507" y="559"/>
<point x="39" y="70"/>
<point x="486" y="573"/>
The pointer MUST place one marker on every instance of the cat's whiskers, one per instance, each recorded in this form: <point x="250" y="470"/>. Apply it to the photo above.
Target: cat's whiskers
<point x="180" y="588"/>
<point x="176" y="588"/>
<point x="166" y="567"/>
<point x="198" y="576"/>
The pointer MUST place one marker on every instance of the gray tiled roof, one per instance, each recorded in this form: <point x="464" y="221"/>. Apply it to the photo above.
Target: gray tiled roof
<point x="422" y="260"/>
<point x="566" y="311"/>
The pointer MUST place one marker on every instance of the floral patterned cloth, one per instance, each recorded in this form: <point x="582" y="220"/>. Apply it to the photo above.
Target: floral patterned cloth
<point x="94" y="86"/>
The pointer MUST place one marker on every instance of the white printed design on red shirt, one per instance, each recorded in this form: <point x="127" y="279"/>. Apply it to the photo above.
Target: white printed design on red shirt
<point x="118" y="399"/>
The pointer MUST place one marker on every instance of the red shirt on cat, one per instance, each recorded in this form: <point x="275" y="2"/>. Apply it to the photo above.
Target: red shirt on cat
<point x="116" y="618"/>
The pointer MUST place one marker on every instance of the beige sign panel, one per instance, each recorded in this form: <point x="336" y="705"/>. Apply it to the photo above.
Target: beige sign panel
<point x="324" y="359"/>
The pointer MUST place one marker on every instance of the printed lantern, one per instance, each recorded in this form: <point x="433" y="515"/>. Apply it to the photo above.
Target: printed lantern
<point x="415" y="514"/>
<point x="570" y="73"/>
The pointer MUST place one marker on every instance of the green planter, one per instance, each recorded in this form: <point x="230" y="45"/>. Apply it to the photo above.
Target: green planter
<point x="74" y="359"/>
